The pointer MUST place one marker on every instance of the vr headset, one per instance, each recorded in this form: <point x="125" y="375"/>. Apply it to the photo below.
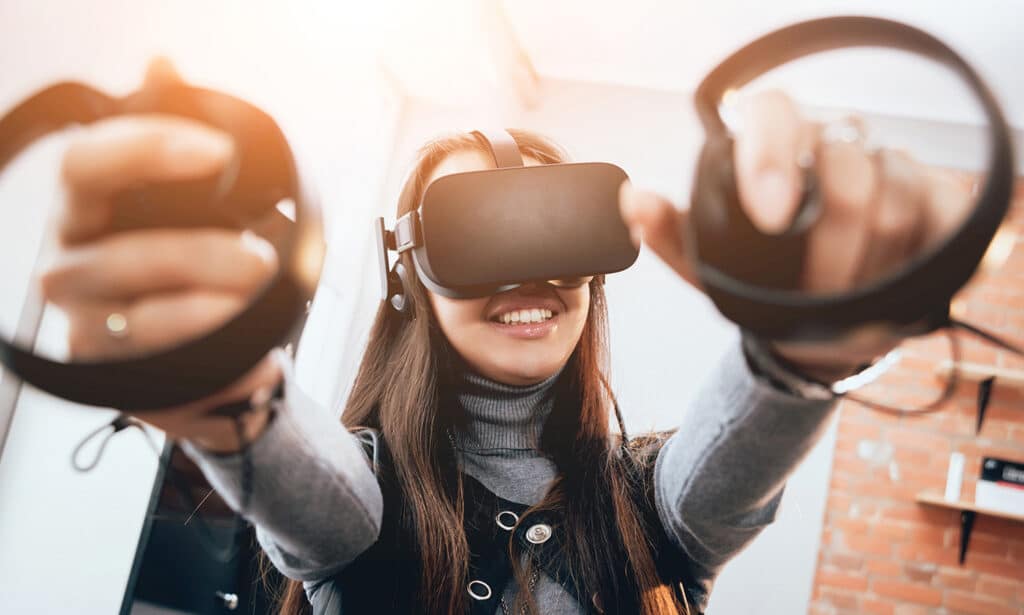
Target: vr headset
<point x="477" y="233"/>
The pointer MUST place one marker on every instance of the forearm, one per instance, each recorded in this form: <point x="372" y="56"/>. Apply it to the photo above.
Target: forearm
<point x="314" y="500"/>
<point x="719" y="478"/>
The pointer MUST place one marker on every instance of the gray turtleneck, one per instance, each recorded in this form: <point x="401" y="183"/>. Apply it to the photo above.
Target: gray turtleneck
<point x="499" y="443"/>
<point x="718" y="479"/>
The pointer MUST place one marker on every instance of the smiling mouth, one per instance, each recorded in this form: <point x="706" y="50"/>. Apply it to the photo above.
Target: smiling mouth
<point x="524" y="317"/>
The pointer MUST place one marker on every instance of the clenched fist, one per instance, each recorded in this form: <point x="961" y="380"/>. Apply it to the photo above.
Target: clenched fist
<point x="880" y="209"/>
<point x="137" y="291"/>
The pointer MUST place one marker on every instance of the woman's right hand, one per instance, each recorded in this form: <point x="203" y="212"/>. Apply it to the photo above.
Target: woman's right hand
<point x="169" y="284"/>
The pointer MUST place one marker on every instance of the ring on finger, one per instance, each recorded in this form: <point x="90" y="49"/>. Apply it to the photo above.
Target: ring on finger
<point x="116" y="324"/>
<point x="848" y="129"/>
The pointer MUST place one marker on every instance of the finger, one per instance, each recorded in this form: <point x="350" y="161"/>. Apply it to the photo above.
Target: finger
<point x="949" y="201"/>
<point x="653" y="220"/>
<point x="122" y="152"/>
<point x="847" y="184"/>
<point x="898" y="224"/>
<point x="160" y="73"/>
<point x="154" y="323"/>
<point x="126" y="266"/>
<point x="119" y="152"/>
<point x="772" y="140"/>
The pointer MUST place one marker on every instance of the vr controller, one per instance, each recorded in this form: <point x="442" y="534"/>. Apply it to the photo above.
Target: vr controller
<point x="261" y="191"/>
<point x="753" y="277"/>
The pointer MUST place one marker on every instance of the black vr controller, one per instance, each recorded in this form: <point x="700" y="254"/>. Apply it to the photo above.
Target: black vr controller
<point x="753" y="278"/>
<point x="261" y="191"/>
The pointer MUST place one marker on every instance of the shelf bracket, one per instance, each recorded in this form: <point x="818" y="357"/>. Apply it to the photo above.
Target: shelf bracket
<point x="984" y="393"/>
<point x="966" y="525"/>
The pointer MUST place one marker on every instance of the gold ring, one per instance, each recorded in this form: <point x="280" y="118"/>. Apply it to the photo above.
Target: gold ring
<point x="117" y="325"/>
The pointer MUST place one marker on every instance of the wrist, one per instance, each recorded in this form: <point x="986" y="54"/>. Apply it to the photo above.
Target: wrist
<point x="767" y="366"/>
<point x="221" y="436"/>
<point x="820" y="369"/>
<point x="236" y="425"/>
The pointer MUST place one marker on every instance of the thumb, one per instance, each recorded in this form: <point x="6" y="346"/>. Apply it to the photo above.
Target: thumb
<point x="161" y="72"/>
<point x="772" y="138"/>
<point x="652" y="219"/>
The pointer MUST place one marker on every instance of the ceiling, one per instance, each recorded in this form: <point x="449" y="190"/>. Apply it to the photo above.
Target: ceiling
<point x="269" y="50"/>
<point x="670" y="45"/>
<point x="253" y="44"/>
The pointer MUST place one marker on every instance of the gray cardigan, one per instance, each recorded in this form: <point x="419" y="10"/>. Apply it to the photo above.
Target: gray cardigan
<point x="718" y="480"/>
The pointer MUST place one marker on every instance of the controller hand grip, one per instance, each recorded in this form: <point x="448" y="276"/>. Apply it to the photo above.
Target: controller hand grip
<point x="754" y="280"/>
<point x="189" y="203"/>
<point x="724" y="235"/>
<point x="248" y="194"/>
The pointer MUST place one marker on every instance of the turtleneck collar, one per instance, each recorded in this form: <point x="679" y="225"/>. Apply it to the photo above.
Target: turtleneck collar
<point x="502" y="416"/>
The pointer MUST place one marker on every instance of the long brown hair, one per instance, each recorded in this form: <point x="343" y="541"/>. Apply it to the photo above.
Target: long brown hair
<point x="398" y="390"/>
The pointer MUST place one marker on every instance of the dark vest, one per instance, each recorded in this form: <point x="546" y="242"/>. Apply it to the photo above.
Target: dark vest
<point x="384" y="578"/>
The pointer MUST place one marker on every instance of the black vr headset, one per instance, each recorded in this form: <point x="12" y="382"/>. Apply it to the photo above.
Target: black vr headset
<point x="478" y="233"/>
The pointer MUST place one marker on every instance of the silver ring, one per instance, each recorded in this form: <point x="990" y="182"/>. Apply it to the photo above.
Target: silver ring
<point x="848" y="129"/>
<point x="481" y="596"/>
<point x="116" y="324"/>
<point x="506" y="526"/>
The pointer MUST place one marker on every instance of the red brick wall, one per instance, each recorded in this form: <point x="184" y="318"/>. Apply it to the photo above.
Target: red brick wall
<point x="881" y="552"/>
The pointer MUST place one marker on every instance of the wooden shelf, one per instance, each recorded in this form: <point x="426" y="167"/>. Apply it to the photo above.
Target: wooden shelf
<point x="976" y="372"/>
<point x="935" y="499"/>
<point x="968" y="511"/>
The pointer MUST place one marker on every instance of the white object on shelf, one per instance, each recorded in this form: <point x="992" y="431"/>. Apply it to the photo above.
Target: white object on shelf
<point x="997" y="496"/>
<point x="954" y="477"/>
<point x="1001" y="486"/>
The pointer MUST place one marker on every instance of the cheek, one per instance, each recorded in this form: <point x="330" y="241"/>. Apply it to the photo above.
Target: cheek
<point x="578" y="304"/>
<point x="457" y="317"/>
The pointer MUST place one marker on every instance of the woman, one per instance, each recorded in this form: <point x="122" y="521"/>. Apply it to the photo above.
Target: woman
<point x="475" y="412"/>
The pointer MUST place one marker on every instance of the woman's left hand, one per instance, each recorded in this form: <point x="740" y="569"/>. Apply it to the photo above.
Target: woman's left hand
<point x="880" y="209"/>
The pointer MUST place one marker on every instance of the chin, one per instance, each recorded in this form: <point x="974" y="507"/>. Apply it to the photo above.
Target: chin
<point x="523" y="370"/>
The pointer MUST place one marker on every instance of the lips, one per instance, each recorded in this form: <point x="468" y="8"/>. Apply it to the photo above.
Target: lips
<point x="526" y="330"/>
<point x="518" y="304"/>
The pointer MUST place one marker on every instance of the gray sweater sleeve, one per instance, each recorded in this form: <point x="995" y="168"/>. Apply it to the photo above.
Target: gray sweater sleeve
<point x="718" y="480"/>
<point x="315" y="502"/>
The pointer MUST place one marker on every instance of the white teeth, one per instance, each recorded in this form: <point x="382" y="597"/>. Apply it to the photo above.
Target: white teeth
<point x="525" y="316"/>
